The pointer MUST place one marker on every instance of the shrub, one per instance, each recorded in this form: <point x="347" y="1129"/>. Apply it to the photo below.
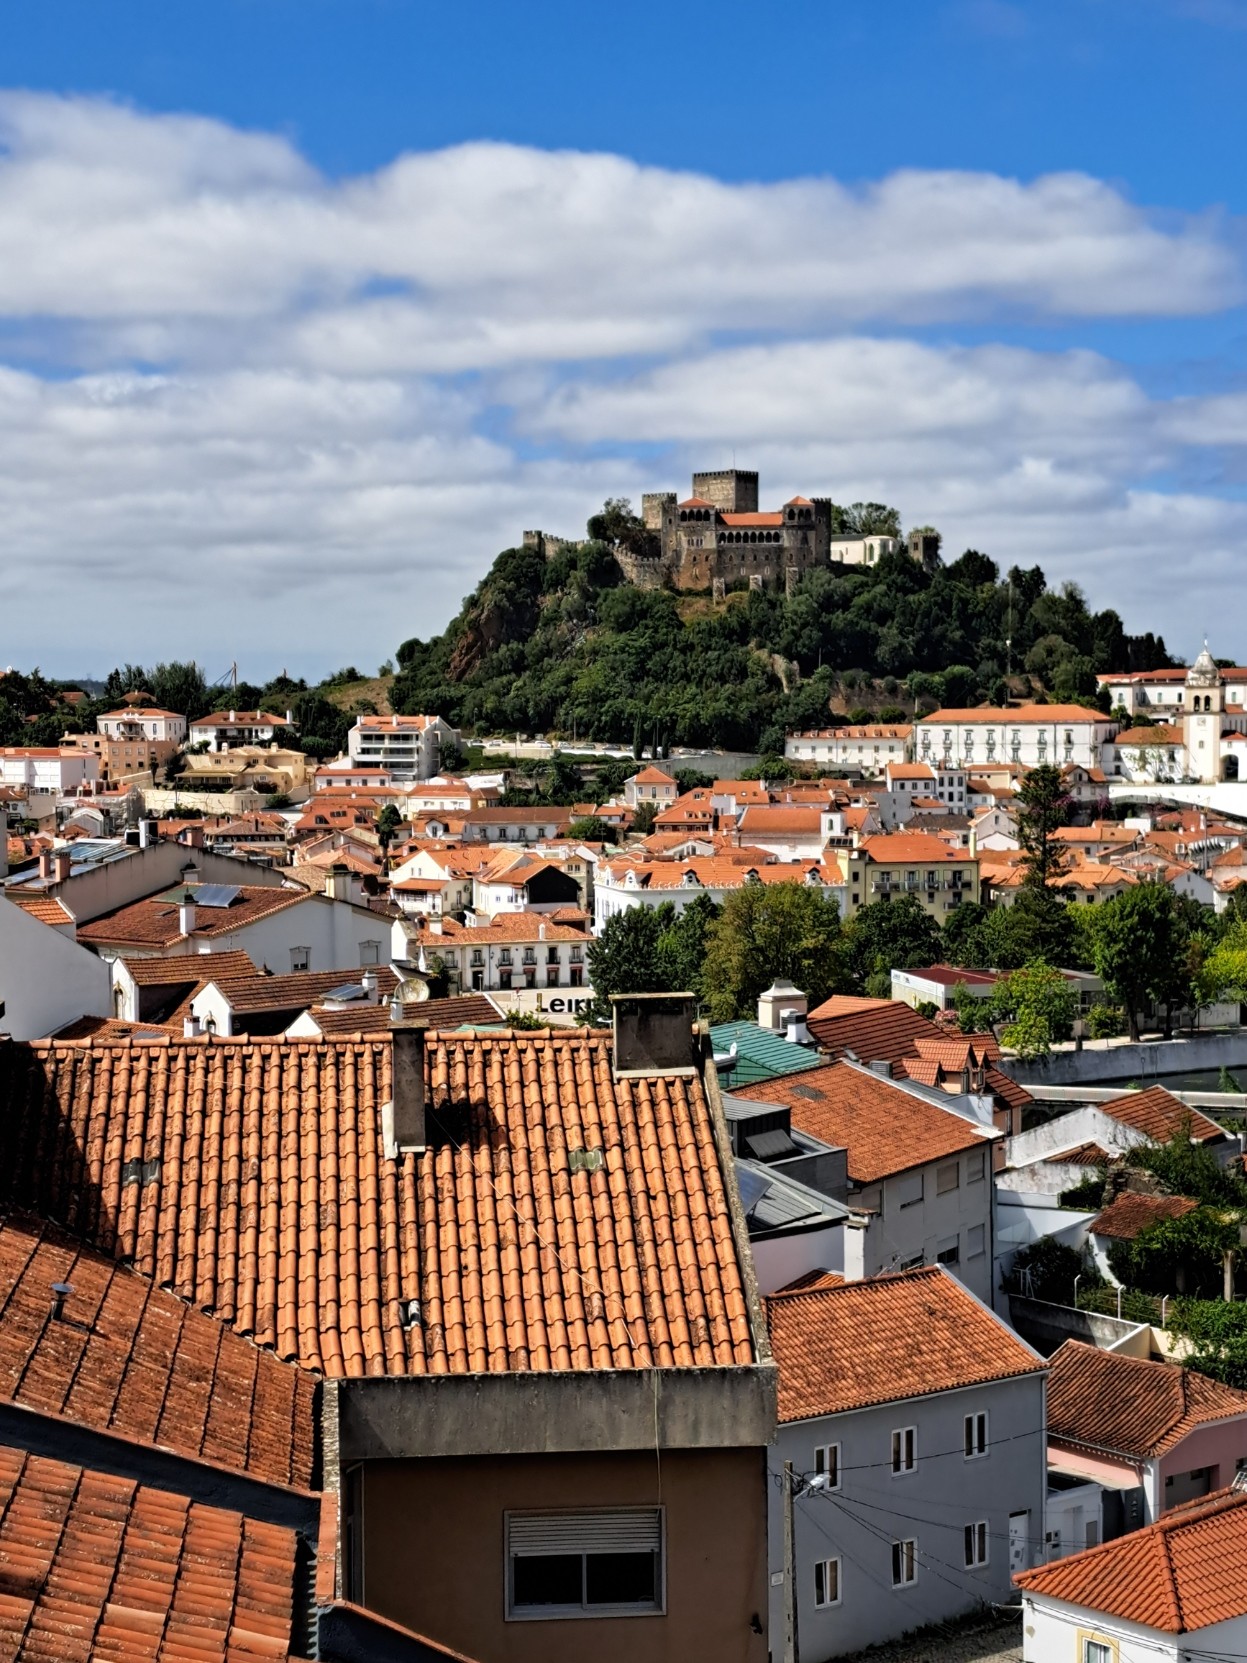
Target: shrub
<point x="1047" y="1268"/>
<point x="1105" y="1021"/>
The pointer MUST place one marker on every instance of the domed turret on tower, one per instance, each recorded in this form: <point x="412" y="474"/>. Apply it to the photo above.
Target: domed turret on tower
<point x="1203" y="684"/>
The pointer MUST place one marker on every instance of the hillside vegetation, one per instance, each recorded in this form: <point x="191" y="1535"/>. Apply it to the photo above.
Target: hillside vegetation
<point x="565" y="645"/>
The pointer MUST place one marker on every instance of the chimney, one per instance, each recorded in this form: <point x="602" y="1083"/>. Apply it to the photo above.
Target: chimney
<point x="541" y="932"/>
<point x="190" y="1027"/>
<point x="780" y="1001"/>
<point x="233" y="715"/>
<point x="290" y="717"/>
<point x="186" y="916"/>
<point x="798" y="1033"/>
<point x="45" y="863"/>
<point x="407" y="1081"/>
<point x="62" y="861"/>
<point x="371" y="986"/>
<point x="147" y="832"/>
<point x="974" y="843"/>
<point x="654" y="1034"/>
<point x="60" y="1293"/>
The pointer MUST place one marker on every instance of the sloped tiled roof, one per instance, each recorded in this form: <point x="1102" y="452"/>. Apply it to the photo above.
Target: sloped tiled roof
<point x="97" y="1566"/>
<point x="130" y="1359"/>
<point x="1130" y="1405"/>
<point x="466" y="1010"/>
<point x="1179" y="1575"/>
<point x="875" y="1030"/>
<point x="182" y="972"/>
<point x="847" y="1345"/>
<point x="268" y="1197"/>
<point x="46" y="908"/>
<point x="884" y="1127"/>
<point x="1158" y="1114"/>
<point x="157" y="923"/>
<point x="1127" y="1214"/>
<point x="297" y="991"/>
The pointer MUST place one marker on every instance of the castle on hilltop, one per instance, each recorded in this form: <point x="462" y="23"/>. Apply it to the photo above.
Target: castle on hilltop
<point x="717" y="538"/>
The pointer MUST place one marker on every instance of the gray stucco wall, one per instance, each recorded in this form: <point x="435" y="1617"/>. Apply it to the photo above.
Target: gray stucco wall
<point x="933" y="1505"/>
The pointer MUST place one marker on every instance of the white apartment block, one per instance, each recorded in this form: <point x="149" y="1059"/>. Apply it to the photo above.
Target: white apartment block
<point x="409" y="746"/>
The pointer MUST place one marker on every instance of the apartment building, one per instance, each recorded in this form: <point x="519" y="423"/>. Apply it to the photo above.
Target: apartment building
<point x="939" y="875"/>
<point x="408" y="747"/>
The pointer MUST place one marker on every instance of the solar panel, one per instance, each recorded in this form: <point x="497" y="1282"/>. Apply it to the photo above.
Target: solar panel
<point x="216" y="894"/>
<point x="349" y="990"/>
<point x="752" y="1185"/>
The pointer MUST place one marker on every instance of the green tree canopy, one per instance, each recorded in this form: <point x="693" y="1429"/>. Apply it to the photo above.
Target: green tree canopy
<point x="1139" y="950"/>
<point x="1043" y="808"/>
<point x="766" y="931"/>
<point x="890" y="935"/>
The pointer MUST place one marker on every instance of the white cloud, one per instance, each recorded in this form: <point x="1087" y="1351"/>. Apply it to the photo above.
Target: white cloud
<point x="294" y="418"/>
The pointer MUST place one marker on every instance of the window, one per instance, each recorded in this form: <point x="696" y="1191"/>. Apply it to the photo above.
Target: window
<point x="947" y="1178"/>
<point x="916" y="1263"/>
<point x="976" y="1544"/>
<point x="909" y="1189"/>
<point x="827" y="1460"/>
<point x="300" y="958"/>
<point x="976" y="1434"/>
<point x="1098" y="1651"/>
<point x="976" y="1241"/>
<point x="948" y="1253"/>
<point x="826" y="1582"/>
<point x="905" y="1449"/>
<point x="976" y="1165"/>
<point x="904" y="1563"/>
<point x="585" y="1564"/>
<point x="369" y="952"/>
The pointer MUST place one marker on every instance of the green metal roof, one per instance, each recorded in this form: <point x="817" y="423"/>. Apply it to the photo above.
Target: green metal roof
<point x="760" y="1054"/>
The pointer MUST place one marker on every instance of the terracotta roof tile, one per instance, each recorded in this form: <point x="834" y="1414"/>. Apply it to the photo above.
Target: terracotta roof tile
<point x="275" y="1205"/>
<point x="130" y="1359"/>
<point x="1127" y="1214"/>
<point x="884" y="1127"/>
<point x="157" y="923"/>
<point x="1181" y="1574"/>
<point x="466" y="1010"/>
<point x="183" y="972"/>
<point x="297" y="991"/>
<point x="46" y="908"/>
<point x="1130" y="1405"/>
<point x="846" y="1345"/>
<point x="1158" y="1114"/>
<point x="96" y="1566"/>
<point x="875" y="1030"/>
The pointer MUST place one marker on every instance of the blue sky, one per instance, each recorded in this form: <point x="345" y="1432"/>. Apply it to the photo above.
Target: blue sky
<point x="280" y="336"/>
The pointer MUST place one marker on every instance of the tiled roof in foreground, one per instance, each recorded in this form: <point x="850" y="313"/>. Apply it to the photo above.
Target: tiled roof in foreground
<point x="97" y="1566"/>
<point x="1183" y="1573"/>
<point x="250" y="1178"/>
<point x="847" y="1345"/>
<point x="127" y="1358"/>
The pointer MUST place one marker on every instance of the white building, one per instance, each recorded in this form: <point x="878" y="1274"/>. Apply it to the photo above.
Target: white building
<point x="516" y="950"/>
<point x="46" y="978"/>
<point x="142" y="722"/>
<point x="863" y="551"/>
<point x="1161" y="694"/>
<point x="56" y="769"/>
<point x="409" y="746"/>
<point x="227" y="728"/>
<point x="1030" y="736"/>
<point x="1170" y="1593"/>
<point x="913" y="1419"/>
<point x="621" y="884"/>
<point x="919" y="1166"/>
<point x="1202" y="743"/>
<point x="866" y="749"/>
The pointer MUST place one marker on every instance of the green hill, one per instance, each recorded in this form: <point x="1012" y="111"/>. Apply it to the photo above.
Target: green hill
<point x="566" y="645"/>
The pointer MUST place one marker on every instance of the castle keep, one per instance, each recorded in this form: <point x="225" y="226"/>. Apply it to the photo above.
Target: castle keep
<point x="717" y="537"/>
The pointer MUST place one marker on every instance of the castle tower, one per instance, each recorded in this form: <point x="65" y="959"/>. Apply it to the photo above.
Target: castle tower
<point x="730" y="490"/>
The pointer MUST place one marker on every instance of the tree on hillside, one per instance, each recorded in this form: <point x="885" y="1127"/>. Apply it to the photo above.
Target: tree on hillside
<point x="887" y="936"/>
<point x="388" y="822"/>
<point x="1043" y="808"/>
<point x="767" y="931"/>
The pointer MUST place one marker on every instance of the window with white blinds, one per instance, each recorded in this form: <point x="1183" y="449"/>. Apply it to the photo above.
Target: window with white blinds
<point x="608" y="1562"/>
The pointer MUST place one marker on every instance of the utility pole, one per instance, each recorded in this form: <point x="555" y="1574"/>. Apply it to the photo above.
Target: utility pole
<point x="791" y="1648"/>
